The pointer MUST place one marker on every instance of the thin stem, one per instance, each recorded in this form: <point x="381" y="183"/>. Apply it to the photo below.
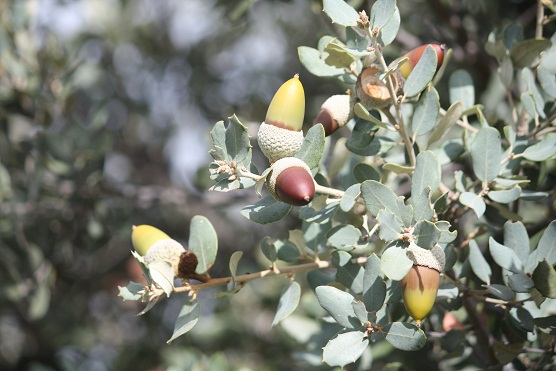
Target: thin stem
<point x="540" y="19"/>
<point x="461" y="123"/>
<point x="328" y="191"/>
<point x="241" y="279"/>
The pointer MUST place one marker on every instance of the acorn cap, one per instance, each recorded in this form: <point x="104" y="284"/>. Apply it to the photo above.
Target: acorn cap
<point x="371" y="91"/>
<point x="144" y="236"/>
<point x="287" y="108"/>
<point x="433" y="258"/>
<point x="277" y="143"/>
<point x="291" y="181"/>
<point x="335" y="112"/>
<point x="168" y="250"/>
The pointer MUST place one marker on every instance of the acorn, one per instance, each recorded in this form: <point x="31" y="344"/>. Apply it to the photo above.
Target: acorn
<point x="280" y="134"/>
<point x="155" y="245"/>
<point x="291" y="182"/>
<point x="372" y="91"/>
<point x="335" y="112"/>
<point x="415" y="55"/>
<point x="420" y="285"/>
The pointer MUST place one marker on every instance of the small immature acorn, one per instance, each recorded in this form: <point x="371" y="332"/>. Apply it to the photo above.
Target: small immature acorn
<point x="291" y="182"/>
<point x="420" y="285"/>
<point x="335" y="112"/>
<point x="415" y="55"/>
<point x="280" y="135"/>
<point x="156" y="245"/>
<point x="371" y="91"/>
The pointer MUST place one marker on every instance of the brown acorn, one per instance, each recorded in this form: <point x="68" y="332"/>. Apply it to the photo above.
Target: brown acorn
<point x="420" y="285"/>
<point x="280" y="135"/>
<point x="371" y="91"/>
<point x="291" y="182"/>
<point x="335" y="112"/>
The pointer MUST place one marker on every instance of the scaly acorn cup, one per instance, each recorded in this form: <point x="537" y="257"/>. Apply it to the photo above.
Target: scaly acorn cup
<point x="415" y="55"/>
<point x="280" y="135"/>
<point x="420" y="285"/>
<point x="156" y="245"/>
<point x="371" y="91"/>
<point x="291" y="182"/>
<point x="335" y="112"/>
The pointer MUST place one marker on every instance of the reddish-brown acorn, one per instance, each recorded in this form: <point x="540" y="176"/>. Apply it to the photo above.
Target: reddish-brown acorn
<point x="415" y="55"/>
<point x="335" y="112"/>
<point x="291" y="182"/>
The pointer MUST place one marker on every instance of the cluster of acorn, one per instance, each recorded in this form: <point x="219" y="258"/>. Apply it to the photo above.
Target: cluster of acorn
<point x="280" y="136"/>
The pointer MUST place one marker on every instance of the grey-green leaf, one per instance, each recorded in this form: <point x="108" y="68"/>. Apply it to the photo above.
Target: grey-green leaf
<point x="131" y="291"/>
<point x="544" y="277"/>
<point x="390" y="228"/>
<point x="448" y="120"/>
<point x="474" y="201"/>
<point x="314" y="63"/>
<point x="187" y="318"/>
<point x="422" y="209"/>
<point x="344" y="236"/>
<point x="266" y="210"/>
<point x="505" y="196"/>
<point x="345" y="348"/>
<point x="520" y="282"/>
<point x="524" y="53"/>
<point x="288" y="302"/>
<point x="505" y="257"/>
<point x="381" y="13"/>
<point x="546" y="248"/>
<point x="546" y="324"/>
<point x="350" y="196"/>
<point x="404" y="336"/>
<point x="542" y="150"/>
<point x="422" y="73"/>
<point x="462" y="89"/>
<point x="268" y="249"/>
<point x="390" y="30"/>
<point x="163" y="274"/>
<point x="374" y="287"/>
<point x="340" y="12"/>
<point x="426" y="112"/>
<point x="394" y="263"/>
<point x="203" y="241"/>
<point x="338" y="304"/>
<point x="312" y="147"/>
<point x="377" y="197"/>
<point x="427" y="173"/>
<point x="500" y="291"/>
<point x="516" y="238"/>
<point x="478" y="263"/>
<point x="486" y="153"/>
<point x="426" y="234"/>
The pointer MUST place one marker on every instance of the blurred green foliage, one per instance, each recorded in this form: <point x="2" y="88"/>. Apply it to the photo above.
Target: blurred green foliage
<point x="105" y="108"/>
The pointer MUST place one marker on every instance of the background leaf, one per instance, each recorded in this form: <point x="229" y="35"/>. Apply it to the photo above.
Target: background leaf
<point x="340" y="12"/>
<point x="288" y="302"/>
<point x="486" y="154"/>
<point x="187" y="319"/>
<point x="478" y="263"/>
<point x="505" y="257"/>
<point x="426" y="174"/>
<point x="462" y="89"/>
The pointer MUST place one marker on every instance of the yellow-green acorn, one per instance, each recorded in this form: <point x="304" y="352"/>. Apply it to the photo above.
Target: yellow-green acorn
<point x="280" y="135"/>
<point x="291" y="182"/>
<point x="335" y="112"/>
<point x="156" y="245"/>
<point x="415" y="55"/>
<point x="420" y="285"/>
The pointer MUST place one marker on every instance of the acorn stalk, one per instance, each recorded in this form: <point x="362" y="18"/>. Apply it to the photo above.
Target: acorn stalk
<point x="281" y="135"/>
<point x="291" y="182"/>
<point x="420" y="285"/>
